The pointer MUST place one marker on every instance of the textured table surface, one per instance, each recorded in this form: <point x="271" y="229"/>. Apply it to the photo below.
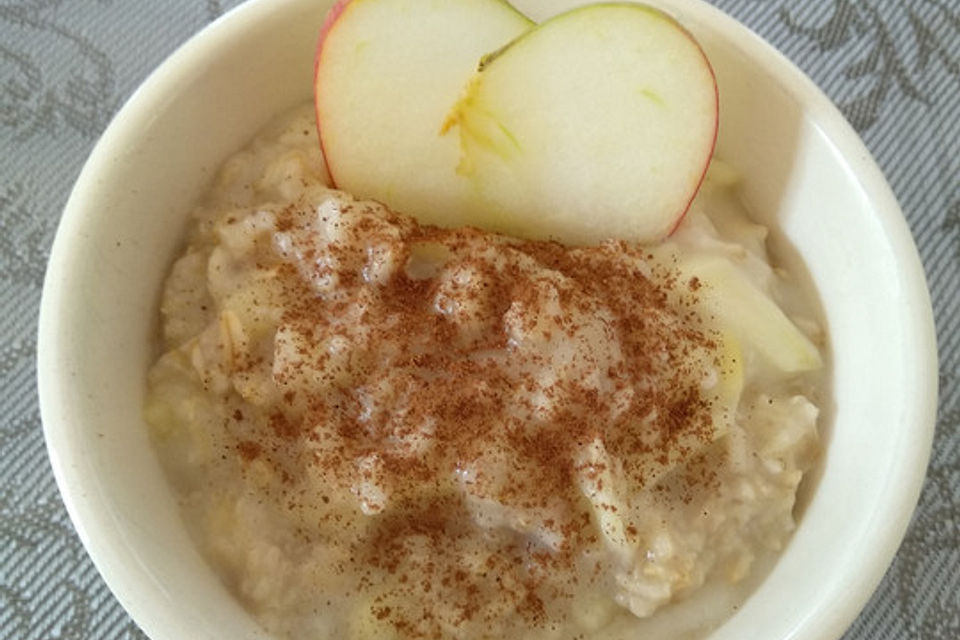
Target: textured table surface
<point x="892" y="66"/>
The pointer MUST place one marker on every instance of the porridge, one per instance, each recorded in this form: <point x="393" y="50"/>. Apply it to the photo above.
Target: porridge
<point x="379" y="429"/>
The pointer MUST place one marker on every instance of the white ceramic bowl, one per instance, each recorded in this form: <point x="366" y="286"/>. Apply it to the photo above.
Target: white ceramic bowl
<point x="806" y="174"/>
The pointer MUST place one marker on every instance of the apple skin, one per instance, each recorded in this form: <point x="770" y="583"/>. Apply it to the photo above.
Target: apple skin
<point x="385" y="73"/>
<point x="328" y="21"/>
<point x="332" y="16"/>
<point x="716" y="131"/>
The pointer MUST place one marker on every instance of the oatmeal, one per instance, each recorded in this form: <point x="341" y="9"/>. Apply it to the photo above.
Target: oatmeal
<point x="385" y="430"/>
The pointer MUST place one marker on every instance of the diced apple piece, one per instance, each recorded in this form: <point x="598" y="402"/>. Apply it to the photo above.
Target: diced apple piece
<point x="748" y="313"/>
<point x="721" y="381"/>
<point x="726" y="389"/>
<point x="387" y="72"/>
<point x="600" y="477"/>
<point x="598" y="123"/>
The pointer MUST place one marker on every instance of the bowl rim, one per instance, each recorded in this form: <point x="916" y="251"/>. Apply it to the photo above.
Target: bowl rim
<point x="908" y="476"/>
<point x="897" y="512"/>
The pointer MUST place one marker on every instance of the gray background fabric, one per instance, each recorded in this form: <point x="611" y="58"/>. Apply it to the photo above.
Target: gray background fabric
<point x="892" y="66"/>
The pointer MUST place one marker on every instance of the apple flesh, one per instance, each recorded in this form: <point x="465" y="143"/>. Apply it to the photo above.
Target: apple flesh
<point x="598" y="123"/>
<point x="387" y="73"/>
<point x="743" y="310"/>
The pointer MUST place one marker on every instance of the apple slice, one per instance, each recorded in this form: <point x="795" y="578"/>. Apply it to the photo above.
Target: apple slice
<point x="598" y="123"/>
<point x="387" y="73"/>
<point x="739" y="306"/>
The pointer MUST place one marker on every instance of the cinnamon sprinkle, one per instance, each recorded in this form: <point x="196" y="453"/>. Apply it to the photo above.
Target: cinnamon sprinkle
<point x="428" y="371"/>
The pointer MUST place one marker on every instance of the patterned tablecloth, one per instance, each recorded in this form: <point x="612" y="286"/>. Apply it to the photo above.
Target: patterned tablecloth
<point x="892" y="66"/>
